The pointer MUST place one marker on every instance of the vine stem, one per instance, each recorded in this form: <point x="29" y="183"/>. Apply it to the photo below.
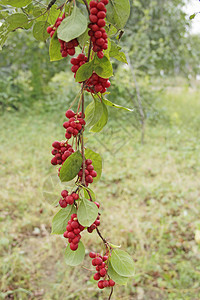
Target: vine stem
<point x="111" y="292"/>
<point x="87" y="6"/>
<point x="82" y="141"/>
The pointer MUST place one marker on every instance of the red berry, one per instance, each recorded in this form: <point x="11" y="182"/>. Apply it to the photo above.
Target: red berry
<point x="52" y="33"/>
<point x="93" y="4"/>
<point x="100" y="41"/>
<point x="97" y="204"/>
<point x="105" y="283"/>
<point x="78" y="126"/>
<point x="98" y="87"/>
<point x="88" y="161"/>
<point x="103" y="272"/>
<point x="98" y="261"/>
<point x="70" y="200"/>
<point x="111" y="282"/>
<point x="101" y="284"/>
<point x="97" y="276"/>
<point x="98" y="34"/>
<point x="75" y="224"/>
<point x="89" y="178"/>
<point x="71" y="51"/>
<point x="73" y="247"/>
<point x="75" y="196"/>
<point x="69" y="114"/>
<point x="95" y="27"/>
<point x="74" y="61"/>
<point x="92" y="255"/>
<point x="94" y="19"/>
<point x="100" y="54"/>
<point x="90" y="168"/>
<point x="70" y="130"/>
<point x="93" y="173"/>
<point x="54" y="161"/>
<point x="69" y="228"/>
<point x="76" y="240"/>
<point x="105" y="257"/>
<point x="56" y="145"/>
<point x="97" y="222"/>
<point x="105" y="2"/>
<point x="77" y="231"/>
<point x="49" y="29"/>
<point x="94" y="11"/>
<point x="101" y="15"/>
<point x="71" y="235"/>
<point x="64" y="53"/>
<point x="63" y="203"/>
<point x="64" y="193"/>
<point x="101" y="22"/>
<point x="68" y="135"/>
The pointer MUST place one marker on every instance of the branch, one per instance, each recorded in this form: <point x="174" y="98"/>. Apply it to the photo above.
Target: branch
<point x="110" y="293"/>
<point x="87" y="6"/>
<point x="82" y="142"/>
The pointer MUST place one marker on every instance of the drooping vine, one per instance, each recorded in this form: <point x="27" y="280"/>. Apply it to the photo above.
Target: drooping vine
<point x="94" y="33"/>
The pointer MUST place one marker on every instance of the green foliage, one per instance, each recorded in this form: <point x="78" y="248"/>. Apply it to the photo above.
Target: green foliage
<point x="109" y="103"/>
<point x="101" y="67"/>
<point x="16" y="3"/>
<point x="118" y="12"/>
<point x="72" y="26"/>
<point x="39" y="31"/>
<point x="60" y="220"/>
<point x="122" y="263"/>
<point x="87" y="213"/>
<point x="121" y="280"/>
<point x="96" y="162"/>
<point x="75" y="258"/>
<point x="71" y="167"/>
<point x="16" y="21"/>
<point x="54" y="49"/>
<point x="115" y="52"/>
<point x="102" y="121"/>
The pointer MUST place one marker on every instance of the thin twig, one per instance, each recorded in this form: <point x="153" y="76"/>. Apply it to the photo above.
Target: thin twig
<point x="111" y="292"/>
<point x="100" y="235"/>
<point x="82" y="141"/>
<point x="87" y="6"/>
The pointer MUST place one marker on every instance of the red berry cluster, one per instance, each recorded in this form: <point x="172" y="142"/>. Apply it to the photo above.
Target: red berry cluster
<point x="67" y="199"/>
<point x="61" y="151"/>
<point x="74" y="229"/>
<point x="77" y="62"/>
<point x="74" y="125"/>
<point x="67" y="48"/>
<point x="97" y="32"/>
<point x="89" y="172"/>
<point x="96" y="84"/>
<point x="101" y="267"/>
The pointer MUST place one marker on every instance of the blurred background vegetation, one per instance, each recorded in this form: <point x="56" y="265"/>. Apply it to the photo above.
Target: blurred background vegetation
<point x="152" y="189"/>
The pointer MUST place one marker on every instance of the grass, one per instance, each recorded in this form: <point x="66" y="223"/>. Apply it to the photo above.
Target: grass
<point x="149" y="197"/>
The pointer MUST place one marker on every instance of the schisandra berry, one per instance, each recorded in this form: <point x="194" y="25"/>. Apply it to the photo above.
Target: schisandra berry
<point x="101" y="268"/>
<point x="96" y="84"/>
<point x="97" y="33"/>
<point x="61" y="151"/>
<point x="67" y="48"/>
<point x="77" y="62"/>
<point x="73" y="231"/>
<point x="90" y="173"/>
<point x="75" y="124"/>
<point x="67" y="199"/>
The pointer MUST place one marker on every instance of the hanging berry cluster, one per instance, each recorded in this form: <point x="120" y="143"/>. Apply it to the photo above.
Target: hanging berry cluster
<point x="97" y="31"/>
<point x="82" y="210"/>
<point x="74" y="229"/>
<point x="66" y="48"/>
<point x="101" y="264"/>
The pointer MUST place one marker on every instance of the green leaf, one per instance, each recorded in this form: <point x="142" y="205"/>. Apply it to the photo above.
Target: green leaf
<point x="114" y="246"/>
<point x="96" y="162"/>
<point x="103" y="67"/>
<point x="93" y="112"/>
<point x="84" y="72"/>
<point x="72" y="26"/>
<point x="192" y="16"/>
<point x="87" y="213"/>
<point x="75" y="258"/>
<point x="122" y="263"/>
<point x="39" y="31"/>
<point x="116" y="52"/>
<point x="91" y="193"/>
<point x="60" y="220"/>
<point x="118" y="12"/>
<point x="54" y="49"/>
<point x="53" y="14"/>
<point x="121" y="280"/>
<point x="71" y="167"/>
<point x="84" y="38"/>
<point x="102" y="121"/>
<point x="109" y="103"/>
<point x="16" y="3"/>
<point x="17" y="20"/>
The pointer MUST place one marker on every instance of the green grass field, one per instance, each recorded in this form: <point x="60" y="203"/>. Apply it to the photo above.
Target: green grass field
<point x="150" y="203"/>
